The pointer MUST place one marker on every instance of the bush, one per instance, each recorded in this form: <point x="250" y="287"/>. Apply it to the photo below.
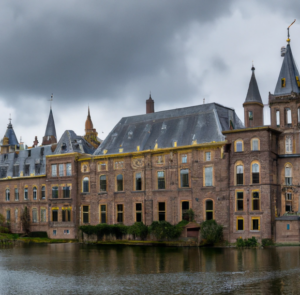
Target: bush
<point x="2" y="219"/>
<point x="138" y="229"/>
<point x="246" y="243"/>
<point x="4" y="229"/>
<point x="267" y="242"/>
<point x="38" y="234"/>
<point x="211" y="232"/>
<point x="165" y="230"/>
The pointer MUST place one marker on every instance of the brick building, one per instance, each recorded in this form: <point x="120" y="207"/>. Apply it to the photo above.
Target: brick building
<point x="158" y="165"/>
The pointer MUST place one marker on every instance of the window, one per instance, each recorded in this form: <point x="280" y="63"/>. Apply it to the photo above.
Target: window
<point x="34" y="193"/>
<point x="138" y="181"/>
<point x="103" y="216"/>
<point x="34" y="215"/>
<point x="66" y="214"/>
<point x="69" y="169"/>
<point x="288" y="196"/>
<point x="250" y="115"/>
<point x="278" y="118"/>
<point x="138" y="212"/>
<point x="43" y="215"/>
<point x="29" y="153"/>
<point x="61" y="169"/>
<point x="16" y="215"/>
<point x="255" y="144"/>
<point x="161" y="183"/>
<point x="255" y="201"/>
<point x="239" y="174"/>
<point x="85" y="185"/>
<point x="298" y="115"/>
<point x="208" y="176"/>
<point x="27" y="170"/>
<point x="240" y="201"/>
<point x="54" y="232"/>
<point x="54" y="215"/>
<point x="66" y="231"/>
<point x="120" y="183"/>
<point x="8" y="215"/>
<point x="288" y="207"/>
<point x="184" y="159"/>
<point x="283" y="82"/>
<point x="15" y="170"/>
<point x="288" y="117"/>
<point x="255" y="223"/>
<point x="161" y="211"/>
<point x="37" y="169"/>
<point x="43" y="193"/>
<point x="66" y="192"/>
<point x="288" y="227"/>
<point x="101" y="166"/>
<point x="103" y="183"/>
<point x="255" y="173"/>
<point x="54" y="192"/>
<point x="184" y="177"/>
<point x="120" y="213"/>
<point x="207" y="156"/>
<point x="25" y="193"/>
<point x="185" y="206"/>
<point x="16" y="194"/>
<point x="288" y="144"/>
<point x="209" y="208"/>
<point x="7" y="195"/>
<point x="85" y="214"/>
<point x="240" y="223"/>
<point x="288" y="175"/>
<point x="239" y="146"/>
<point x="54" y="170"/>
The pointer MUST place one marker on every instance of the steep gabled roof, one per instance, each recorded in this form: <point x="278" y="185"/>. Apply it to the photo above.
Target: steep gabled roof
<point x="202" y="123"/>
<point x="289" y="72"/>
<point x="253" y="94"/>
<point x="50" y="129"/>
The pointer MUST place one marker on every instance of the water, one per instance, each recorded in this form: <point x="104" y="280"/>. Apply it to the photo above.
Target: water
<point x="78" y="269"/>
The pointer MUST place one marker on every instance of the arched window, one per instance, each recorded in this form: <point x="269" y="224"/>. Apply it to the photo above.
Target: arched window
<point x="119" y="182"/>
<point x="239" y="145"/>
<point x="278" y="118"/>
<point x="255" y="200"/>
<point x="255" y="173"/>
<point x="288" y="174"/>
<point x="239" y="174"/>
<point x="209" y="209"/>
<point x="288" y="144"/>
<point x="255" y="144"/>
<point x="103" y="183"/>
<point x="34" y="192"/>
<point x="7" y="195"/>
<point x="85" y="185"/>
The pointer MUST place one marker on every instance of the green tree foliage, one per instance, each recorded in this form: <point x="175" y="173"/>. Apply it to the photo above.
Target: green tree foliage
<point x="246" y="243"/>
<point x="138" y="229"/>
<point x="25" y="219"/>
<point x="211" y="232"/>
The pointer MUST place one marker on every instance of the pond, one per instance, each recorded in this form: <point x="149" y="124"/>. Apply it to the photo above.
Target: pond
<point x="81" y="269"/>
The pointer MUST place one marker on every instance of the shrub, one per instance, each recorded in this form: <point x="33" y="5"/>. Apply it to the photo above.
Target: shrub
<point x="247" y="243"/>
<point x="138" y="229"/>
<point x="4" y="229"/>
<point x="191" y="214"/>
<point x="2" y="219"/>
<point x="38" y="234"/>
<point x="25" y="218"/>
<point x="165" y="230"/>
<point x="211" y="232"/>
<point x="267" y="242"/>
<point x="240" y="243"/>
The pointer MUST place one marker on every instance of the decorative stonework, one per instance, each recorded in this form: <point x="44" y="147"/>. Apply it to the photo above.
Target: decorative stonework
<point x="160" y="160"/>
<point x="85" y="167"/>
<point x="102" y="166"/>
<point x="119" y="164"/>
<point x="137" y="163"/>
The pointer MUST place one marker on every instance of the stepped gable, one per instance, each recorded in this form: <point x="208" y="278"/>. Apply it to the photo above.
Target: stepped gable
<point x="70" y="142"/>
<point x="203" y="123"/>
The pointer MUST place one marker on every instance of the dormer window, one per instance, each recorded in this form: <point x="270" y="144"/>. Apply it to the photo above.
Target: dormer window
<point x="63" y="147"/>
<point x="42" y="151"/>
<point x="29" y="153"/>
<point x="130" y="134"/>
<point x="283" y="82"/>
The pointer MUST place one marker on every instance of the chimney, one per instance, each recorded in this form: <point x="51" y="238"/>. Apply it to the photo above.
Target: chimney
<point x="149" y="105"/>
<point x="35" y="143"/>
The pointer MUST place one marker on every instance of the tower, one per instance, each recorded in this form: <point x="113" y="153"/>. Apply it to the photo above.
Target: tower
<point x="149" y="105"/>
<point x="50" y="133"/>
<point x="253" y="106"/>
<point x="9" y="141"/>
<point x="91" y="133"/>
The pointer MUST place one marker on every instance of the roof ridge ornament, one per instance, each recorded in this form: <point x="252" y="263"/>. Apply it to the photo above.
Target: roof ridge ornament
<point x="288" y="31"/>
<point x="51" y="99"/>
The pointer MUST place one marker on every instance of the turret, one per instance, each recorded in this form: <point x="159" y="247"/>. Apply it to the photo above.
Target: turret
<point x="149" y="105"/>
<point x="50" y="133"/>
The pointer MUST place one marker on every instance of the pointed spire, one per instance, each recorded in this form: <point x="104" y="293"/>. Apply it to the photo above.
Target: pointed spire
<point x="50" y="133"/>
<point x="10" y="134"/>
<point x="253" y="94"/>
<point x="88" y="122"/>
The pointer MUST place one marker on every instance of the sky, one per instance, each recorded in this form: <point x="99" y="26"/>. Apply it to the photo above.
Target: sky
<point x="109" y="55"/>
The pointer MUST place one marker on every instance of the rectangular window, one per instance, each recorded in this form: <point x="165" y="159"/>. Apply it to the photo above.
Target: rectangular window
<point x="288" y="207"/>
<point x="27" y="170"/>
<point x="288" y="181"/>
<point x="103" y="216"/>
<point x="208" y="176"/>
<point x="138" y="181"/>
<point x="54" y="170"/>
<point x="185" y="206"/>
<point x="66" y="192"/>
<point x="7" y="215"/>
<point x="61" y="170"/>
<point x="288" y="227"/>
<point x="37" y="169"/>
<point x="54" y="232"/>
<point x="85" y="214"/>
<point x="255" y="224"/>
<point x="184" y="177"/>
<point x="119" y="182"/>
<point x="34" y="215"/>
<point x="255" y="201"/>
<point x="254" y="145"/>
<point x="26" y="193"/>
<point x="255" y="177"/>
<point x="43" y="193"/>
<point x="69" y="169"/>
<point x="239" y="146"/>
<point x="54" y="192"/>
<point x="103" y="183"/>
<point x="161" y="211"/>
<point x="207" y="156"/>
<point x="240" y="201"/>
<point x="250" y="114"/>
<point x="66" y="214"/>
<point x="184" y="159"/>
<point x="15" y="170"/>
<point x="161" y="184"/>
<point x="34" y="193"/>
<point x="16" y="215"/>
<point x="288" y="196"/>
<point x="278" y="118"/>
<point x="239" y="175"/>
<point x="138" y="212"/>
<point x="16" y="194"/>
<point x="120" y="213"/>
<point x="240" y="224"/>
<point x="7" y="195"/>
<point x="43" y="215"/>
<point x="54" y="215"/>
<point x="66" y="231"/>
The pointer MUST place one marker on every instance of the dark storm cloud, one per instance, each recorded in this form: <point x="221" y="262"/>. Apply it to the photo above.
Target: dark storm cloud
<point x="98" y="49"/>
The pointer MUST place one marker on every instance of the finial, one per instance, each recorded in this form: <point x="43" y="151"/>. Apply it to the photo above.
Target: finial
<point x="253" y="68"/>
<point x="89" y="111"/>
<point x="10" y="119"/>
<point x="288" y="32"/>
<point x="51" y="99"/>
<point x="150" y="95"/>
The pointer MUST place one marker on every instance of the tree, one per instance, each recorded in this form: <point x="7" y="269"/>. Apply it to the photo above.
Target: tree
<point x="25" y="219"/>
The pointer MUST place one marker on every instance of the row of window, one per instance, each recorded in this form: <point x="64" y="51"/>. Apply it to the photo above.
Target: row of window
<point x="139" y="186"/>
<point x="255" y="167"/>
<point x="255" y="223"/>
<point x="63" y="169"/>
<point x="255" y="201"/>
<point x="287" y="117"/>
<point x="239" y="145"/>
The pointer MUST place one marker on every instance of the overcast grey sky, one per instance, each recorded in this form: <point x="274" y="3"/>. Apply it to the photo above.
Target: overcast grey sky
<point x="110" y="54"/>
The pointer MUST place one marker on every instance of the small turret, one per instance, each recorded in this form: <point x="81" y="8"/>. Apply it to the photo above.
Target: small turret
<point x="149" y="105"/>
<point x="50" y="133"/>
<point x="91" y="134"/>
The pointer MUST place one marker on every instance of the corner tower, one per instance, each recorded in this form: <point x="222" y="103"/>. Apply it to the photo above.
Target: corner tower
<point x="9" y="142"/>
<point x="253" y="106"/>
<point x="50" y="133"/>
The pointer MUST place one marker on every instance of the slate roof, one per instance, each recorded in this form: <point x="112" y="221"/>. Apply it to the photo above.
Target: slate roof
<point x="288" y="71"/>
<point x="203" y="123"/>
<point x="253" y="94"/>
<point x="70" y="142"/>
<point x="288" y="218"/>
<point x="10" y="134"/>
<point x="50" y="129"/>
